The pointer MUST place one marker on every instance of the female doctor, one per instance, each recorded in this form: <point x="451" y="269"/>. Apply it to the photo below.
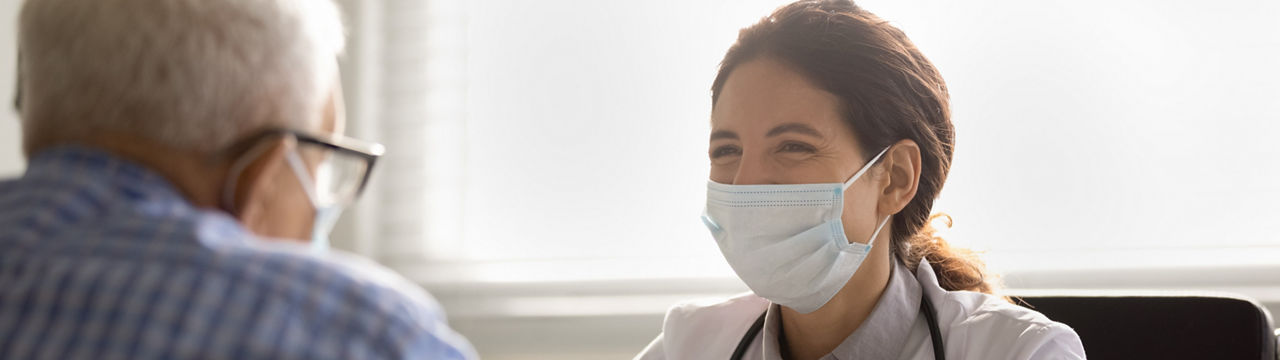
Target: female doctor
<point x="831" y="137"/>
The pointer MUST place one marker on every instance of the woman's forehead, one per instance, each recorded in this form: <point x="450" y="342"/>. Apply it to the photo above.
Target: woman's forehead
<point x="763" y="94"/>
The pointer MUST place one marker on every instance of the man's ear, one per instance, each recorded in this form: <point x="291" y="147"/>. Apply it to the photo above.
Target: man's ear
<point x="255" y="181"/>
<point x="902" y="167"/>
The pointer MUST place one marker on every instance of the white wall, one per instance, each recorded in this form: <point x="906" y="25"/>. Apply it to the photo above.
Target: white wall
<point x="11" y="161"/>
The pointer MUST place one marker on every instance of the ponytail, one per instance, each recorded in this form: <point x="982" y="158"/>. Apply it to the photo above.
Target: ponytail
<point x="956" y="268"/>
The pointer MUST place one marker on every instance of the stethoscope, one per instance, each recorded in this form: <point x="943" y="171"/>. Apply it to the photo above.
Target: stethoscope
<point x="926" y="307"/>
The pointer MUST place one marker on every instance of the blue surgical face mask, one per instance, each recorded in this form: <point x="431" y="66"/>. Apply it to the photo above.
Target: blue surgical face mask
<point x="326" y="218"/>
<point x="787" y="242"/>
<point x="326" y="211"/>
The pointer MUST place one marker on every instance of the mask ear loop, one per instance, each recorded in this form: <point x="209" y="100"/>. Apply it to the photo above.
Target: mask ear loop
<point x="300" y="171"/>
<point x="855" y="177"/>
<point x="232" y="184"/>
<point x="326" y="215"/>
<point x="872" y="241"/>
<point x="865" y="168"/>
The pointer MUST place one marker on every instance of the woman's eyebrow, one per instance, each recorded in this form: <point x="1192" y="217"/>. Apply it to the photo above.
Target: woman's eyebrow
<point x="795" y="128"/>
<point x="723" y="134"/>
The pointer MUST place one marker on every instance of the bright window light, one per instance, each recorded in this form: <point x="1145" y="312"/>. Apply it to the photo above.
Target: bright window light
<point x="1084" y="126"/>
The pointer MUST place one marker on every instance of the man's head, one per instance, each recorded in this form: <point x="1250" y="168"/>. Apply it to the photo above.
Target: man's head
<point x="187" y="88"/>
<point x="193" y="74"/>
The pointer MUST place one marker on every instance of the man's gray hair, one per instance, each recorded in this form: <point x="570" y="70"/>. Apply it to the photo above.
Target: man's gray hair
<point x="193" y="74"/>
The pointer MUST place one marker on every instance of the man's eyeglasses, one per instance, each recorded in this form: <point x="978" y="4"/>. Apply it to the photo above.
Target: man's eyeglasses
<point x="338" y="167"/>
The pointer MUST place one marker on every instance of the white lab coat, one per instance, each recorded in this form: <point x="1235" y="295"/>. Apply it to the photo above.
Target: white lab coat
<point x="974" y="326"/>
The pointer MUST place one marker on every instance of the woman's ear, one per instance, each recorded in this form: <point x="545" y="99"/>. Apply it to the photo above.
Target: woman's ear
<point x="902" y="170"/>
<point x="255" y="181"/>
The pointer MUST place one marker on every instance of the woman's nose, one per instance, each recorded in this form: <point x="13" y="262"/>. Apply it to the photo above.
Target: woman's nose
<point x="752" y="170"/>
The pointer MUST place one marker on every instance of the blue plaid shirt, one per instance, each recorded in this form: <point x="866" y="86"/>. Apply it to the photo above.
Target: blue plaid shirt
<point x="103" y="259"/>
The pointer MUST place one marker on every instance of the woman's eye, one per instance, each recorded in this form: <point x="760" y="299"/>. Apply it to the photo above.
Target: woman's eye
<point x="796" y="147"/>
<point x="725" y="151"/>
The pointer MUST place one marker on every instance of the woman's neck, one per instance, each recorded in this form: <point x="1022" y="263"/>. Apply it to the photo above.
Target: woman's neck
<point x="816" y="334"/>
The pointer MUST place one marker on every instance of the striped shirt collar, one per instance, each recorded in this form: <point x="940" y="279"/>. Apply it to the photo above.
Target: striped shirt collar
<point x="101" y="184"/>
<point x="74" y="165"/>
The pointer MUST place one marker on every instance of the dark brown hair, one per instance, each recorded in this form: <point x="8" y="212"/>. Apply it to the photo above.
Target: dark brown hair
<point x="889" y="92"/>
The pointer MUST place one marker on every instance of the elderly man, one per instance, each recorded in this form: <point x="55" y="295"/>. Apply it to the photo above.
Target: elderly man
<point x="174" y="146"/>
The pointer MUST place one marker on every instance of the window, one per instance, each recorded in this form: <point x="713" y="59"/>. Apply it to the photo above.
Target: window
<point x="1130" y="133"/>
<point x="11" y="160"/>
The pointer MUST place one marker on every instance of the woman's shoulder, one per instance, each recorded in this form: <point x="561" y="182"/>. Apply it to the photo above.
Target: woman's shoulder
<point x="718" y="308"/>
<point x="987" y="323"/>
<point x="701" y="315"/>
<point x="985" y="326"/>
<point x="710" y="327"/>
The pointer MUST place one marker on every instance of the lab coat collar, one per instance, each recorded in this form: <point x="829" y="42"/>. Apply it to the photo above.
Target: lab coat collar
<point x="882" y="335"/>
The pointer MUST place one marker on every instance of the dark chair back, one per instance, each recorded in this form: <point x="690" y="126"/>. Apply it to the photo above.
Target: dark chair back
<point x="1163" y="326"/>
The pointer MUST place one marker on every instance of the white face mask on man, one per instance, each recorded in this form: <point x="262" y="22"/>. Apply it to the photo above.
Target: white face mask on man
<point x="312" y="180"/>
<point x="787" y="242"/>
<point x="327" y="211"/>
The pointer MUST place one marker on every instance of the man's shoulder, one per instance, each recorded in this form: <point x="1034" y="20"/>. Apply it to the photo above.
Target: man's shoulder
<point x="367" y="302"/>
<point x="357" y="281"/>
